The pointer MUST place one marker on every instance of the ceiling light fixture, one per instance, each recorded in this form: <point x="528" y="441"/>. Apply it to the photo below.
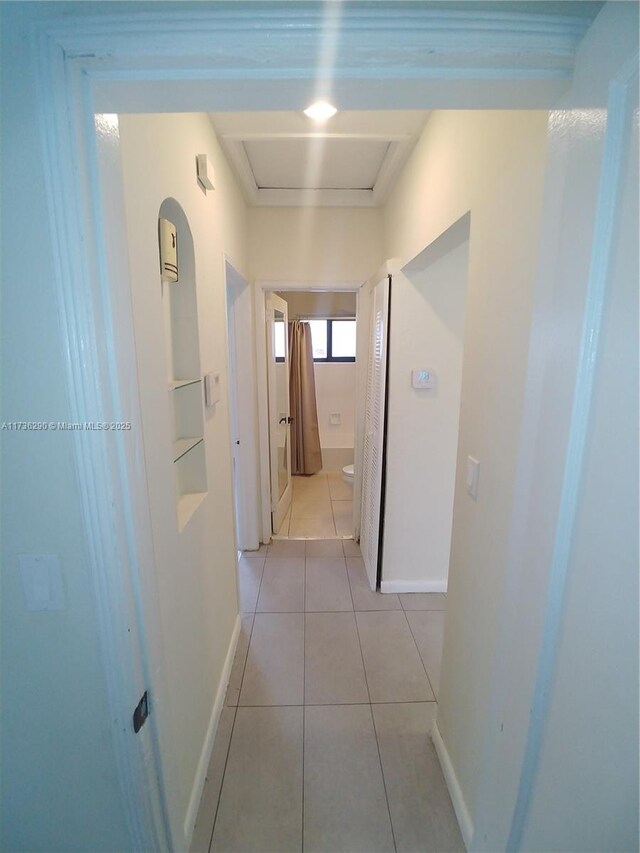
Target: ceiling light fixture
<point x="320" y="111"/>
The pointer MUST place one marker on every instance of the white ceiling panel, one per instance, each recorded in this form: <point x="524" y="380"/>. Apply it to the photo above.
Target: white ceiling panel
<point x="316" y="163"/>
<point x="285" y="159"/>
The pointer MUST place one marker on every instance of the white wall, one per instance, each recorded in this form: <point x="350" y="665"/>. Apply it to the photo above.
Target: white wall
<point x="491" y="164"/>
<point x="308" y="304"/>
<point x="59" y="781"/>
<point x="584" y="791"/>
<point x="336" y="392"/>
<point x="195" y="568"/>
<point x="314" y="244"/>
<point x="426" y="331"/>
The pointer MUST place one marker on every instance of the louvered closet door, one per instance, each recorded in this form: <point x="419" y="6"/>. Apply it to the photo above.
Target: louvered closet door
<point x="374" y="431"/>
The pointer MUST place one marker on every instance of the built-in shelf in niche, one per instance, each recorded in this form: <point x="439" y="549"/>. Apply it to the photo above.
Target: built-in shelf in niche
<point x="184" y="445"/>
<point x="174" y="384"/>
<point x="184" y="380"/>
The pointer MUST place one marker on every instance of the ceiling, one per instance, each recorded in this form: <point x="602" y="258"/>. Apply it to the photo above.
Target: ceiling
<point x="287" y="159"/>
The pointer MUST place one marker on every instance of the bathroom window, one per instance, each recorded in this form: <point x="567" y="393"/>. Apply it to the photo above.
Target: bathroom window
<point x="333" y="340"/>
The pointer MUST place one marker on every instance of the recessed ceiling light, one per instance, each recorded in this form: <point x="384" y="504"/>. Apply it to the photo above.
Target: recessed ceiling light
<point x="320" y="111"/>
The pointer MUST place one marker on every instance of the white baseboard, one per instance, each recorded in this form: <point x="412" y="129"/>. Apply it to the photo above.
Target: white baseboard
<point x="207" y="746"/>
<point x="413" y="586"/>
<point x="455" y="791"/>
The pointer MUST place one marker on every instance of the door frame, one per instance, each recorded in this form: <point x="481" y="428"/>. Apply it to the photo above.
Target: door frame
<point x="280" y="503"/>
<point x="262" y="288"/>
<point x="98" y="63"/>
<point x="239" y="312"/>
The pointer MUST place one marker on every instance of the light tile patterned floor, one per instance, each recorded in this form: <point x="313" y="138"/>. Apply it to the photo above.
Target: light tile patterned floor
<point x="321" y="506"/>
<point x="323" y="743"/>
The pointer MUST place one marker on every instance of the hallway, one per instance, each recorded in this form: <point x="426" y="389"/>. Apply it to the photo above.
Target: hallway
<point x="323" y="743"/>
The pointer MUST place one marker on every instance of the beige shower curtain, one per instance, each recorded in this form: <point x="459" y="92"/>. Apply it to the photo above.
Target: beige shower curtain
<point x="306" y="456"/>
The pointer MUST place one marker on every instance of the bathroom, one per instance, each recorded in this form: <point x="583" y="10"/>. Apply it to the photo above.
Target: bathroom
<point x="322" y="496"/>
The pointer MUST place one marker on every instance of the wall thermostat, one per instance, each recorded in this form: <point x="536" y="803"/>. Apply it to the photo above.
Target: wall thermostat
<point x="204" y="172"/>
<point x="422" y="378"/>
<point x="168" y="238"/>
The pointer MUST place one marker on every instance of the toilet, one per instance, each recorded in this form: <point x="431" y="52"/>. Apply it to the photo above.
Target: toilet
<point x="348" y="474"/>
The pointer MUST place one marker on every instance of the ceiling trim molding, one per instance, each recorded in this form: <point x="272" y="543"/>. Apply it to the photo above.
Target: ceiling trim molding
<point x="397" y="154"/>
<point x="315" y="198"/>
<point x="282" y="38"/>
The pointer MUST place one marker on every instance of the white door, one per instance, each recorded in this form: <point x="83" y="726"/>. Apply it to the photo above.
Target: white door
<point x="374" y="424"/>
<point x="233" y="413"/>
<point x="279" y="414"/>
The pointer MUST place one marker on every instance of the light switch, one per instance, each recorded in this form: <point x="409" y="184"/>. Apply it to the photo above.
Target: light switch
<point x="473" y="470"/>
<point x="335" y="418"/>
<point x="212" y="389"/>
<point x="423" y="378"/>
<point x="42" y="581"/>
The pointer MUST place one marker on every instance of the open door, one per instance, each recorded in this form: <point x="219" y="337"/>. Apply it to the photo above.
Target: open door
<point x="279" y="414"/>
<point x="374" y="432"/>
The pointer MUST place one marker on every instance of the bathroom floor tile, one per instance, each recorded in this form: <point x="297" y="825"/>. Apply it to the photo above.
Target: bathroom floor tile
<point x="345" y="807"/>
<point x="249" y="576"/>
<point x="393" y="666"/>
<point x="274" y="672"/>
<point x="421" y="811"/>
<point x="333" y="670"/>
<point x="311" y="508"/>
<point x="282" y="588"/>
<point x="343" y="517"/>
<point x="312" y="528"/>
<point x="261" y="800"/>
<point x="327" y="585"/>
<point x="338" y="489"/>
<point x="427" y="627"/>
<point x="363" y="596"/>
<point x="284" y="527"/>
<point x="314" y="486"/>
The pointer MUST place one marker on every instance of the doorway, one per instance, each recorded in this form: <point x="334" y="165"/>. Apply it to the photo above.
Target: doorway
<point x="242" y="409"/>
<point x="318" y="419"/>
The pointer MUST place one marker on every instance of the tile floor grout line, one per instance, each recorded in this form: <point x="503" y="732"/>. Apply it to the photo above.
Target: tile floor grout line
<point x="255" y="612"/>
<point x="224" y="773"/>
<point x="244" y="668"/>
<point x="339" y="704"/>
<point x="366" y="680"/>
<point x="353" y="604"/>
<point x="361" y="610"/>
<point x="384" y="781"/>
<point x="415" y="642"/>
